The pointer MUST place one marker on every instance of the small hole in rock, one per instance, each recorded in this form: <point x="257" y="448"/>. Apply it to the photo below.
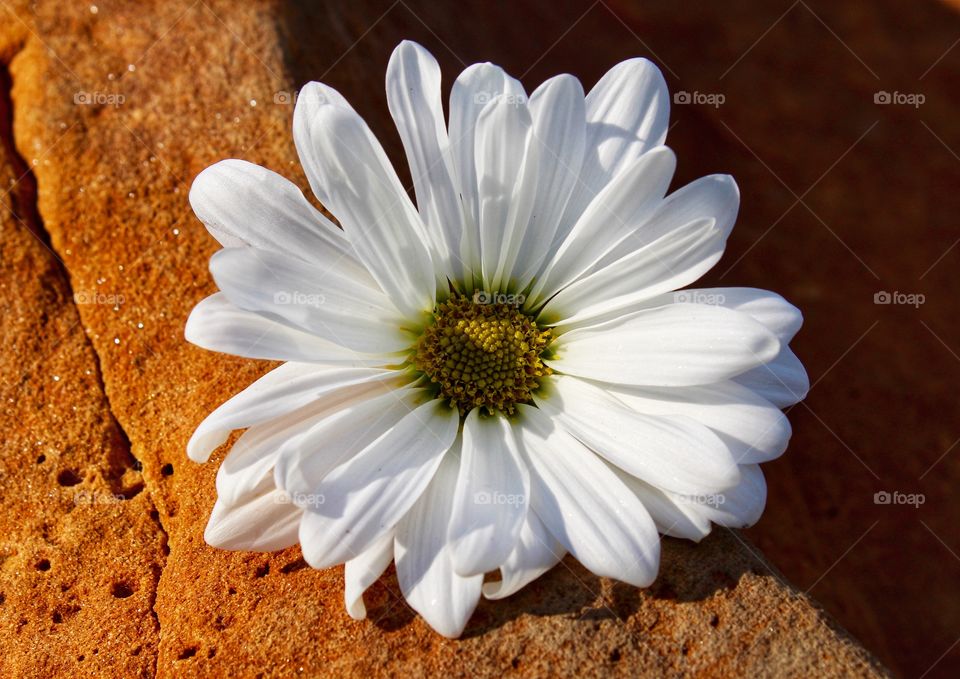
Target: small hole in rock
<point x="212" y="652"/>
<point x="121" y="590"/>
<point x="715" y="620"/>
<point x="684" y="650"/>
<point x="262" y="570"/>
<point x="81" y="658"/>
<point x="41" y="459"/>
<point x="615" y="655"/>
<point x="515" y="663"/>
<point x="232" y="590"/>
<point x="3" y="598"/>
<point x="167" y="469"/>
<point x="136" y="650"/>
<point x="188" y="652"/>
<point x="57" y="618"/>
<point x="43" y="565"/>
<point x="68" y="477"/>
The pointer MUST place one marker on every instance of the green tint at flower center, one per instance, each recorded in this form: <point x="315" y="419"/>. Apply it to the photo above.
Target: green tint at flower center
<point x="482" y="354"/>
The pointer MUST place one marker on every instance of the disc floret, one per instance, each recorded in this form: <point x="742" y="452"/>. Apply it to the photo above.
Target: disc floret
<point x="482" y="354"/>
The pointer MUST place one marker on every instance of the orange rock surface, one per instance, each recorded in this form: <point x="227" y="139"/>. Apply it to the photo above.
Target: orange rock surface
<point x="117" y="106"/>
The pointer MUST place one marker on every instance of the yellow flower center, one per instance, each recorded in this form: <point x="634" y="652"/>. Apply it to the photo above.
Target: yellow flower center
<point x="482" y="355"/>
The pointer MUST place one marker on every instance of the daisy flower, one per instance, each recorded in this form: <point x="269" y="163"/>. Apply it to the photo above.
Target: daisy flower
<point x="502" y="372"/>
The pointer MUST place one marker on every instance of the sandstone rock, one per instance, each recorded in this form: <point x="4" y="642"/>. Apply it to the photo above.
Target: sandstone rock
<point x="116" y="110"/>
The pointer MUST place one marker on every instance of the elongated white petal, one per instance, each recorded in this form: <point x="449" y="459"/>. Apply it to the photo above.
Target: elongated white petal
<point x="536" y="552"/>
<point x="245" y="204"/>
<point x="783" y="381"/>
<point x="676" y="258"/>
<point x="559" y="131"/>
<point x="354" y="179"/>
<point x="413" y="95"/>
<point x="506" y="159"/>
<point x="281" y="391"/>
<point x="253" y="457"/>
<point x="622" y="207"/>
<point x="628" y="113"/>
<point x="368" y="495"/>
<point x="491" y="498"/>
<point x="752" y="427"/>
<point x="680" y="242"/>
<point x="424" y="561"/>
<point x="330" y="300"/>
<point x="303" y="462"/>
<point x="478" y="85"/>
<point x="261" y="521"/>
<point x="737" y="507"/>
<point x="674" y="345"/>
<point x="672" y="517"/>
<point x="673" y="452"/>
<point x="362" y="571"/>
<point x="783" y="319"/>
<point x="585" y="506"/>
<point x="218" y="325"/>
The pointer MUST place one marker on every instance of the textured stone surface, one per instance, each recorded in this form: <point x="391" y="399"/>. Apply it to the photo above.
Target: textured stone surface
<point x="113" y="178"/>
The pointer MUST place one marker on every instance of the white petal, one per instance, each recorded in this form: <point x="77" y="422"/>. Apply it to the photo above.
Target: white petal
<point x="674" y="345"/>
<point x="535" y="553"/>
<point x="362" y="571"/>
<point x="355" y="181"/>
<point x="585" y="506"/>
<point x="424" y="564"/>
<point x="492" y="495"/>
<point x="672" y="517"/>
<point x="559" y="129"/>
<point x="738" y="507"/>
<point x="281" y="391"/>
<point x="628" y="113"/>
<point x="506" y="183"/>
<point x="783" y="319"/>
<point x="245" y="204"/>
<point x="262" y="521"/>
<point x="783" y="381"/>
<point x="673" y="452"/>
<point x="623" y="206"/>
<point x="752" y="428"/>
<point x="478" y="85"/>
<point x="413" y="95"/>
<point x="680" y="242"/>
<point x="329" y="299"/>
<point x="303" y="462"/>
<point x="218" y="325"/>
<point x="368" y="495"/>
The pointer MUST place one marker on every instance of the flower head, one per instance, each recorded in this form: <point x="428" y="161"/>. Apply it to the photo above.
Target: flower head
<point x="501" y="373"/>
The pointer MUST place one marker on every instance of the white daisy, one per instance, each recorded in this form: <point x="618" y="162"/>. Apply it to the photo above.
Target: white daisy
<point x="502" y="373"/>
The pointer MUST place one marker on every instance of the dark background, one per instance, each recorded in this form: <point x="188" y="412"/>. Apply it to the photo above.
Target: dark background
<point x="843" y="198"/>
